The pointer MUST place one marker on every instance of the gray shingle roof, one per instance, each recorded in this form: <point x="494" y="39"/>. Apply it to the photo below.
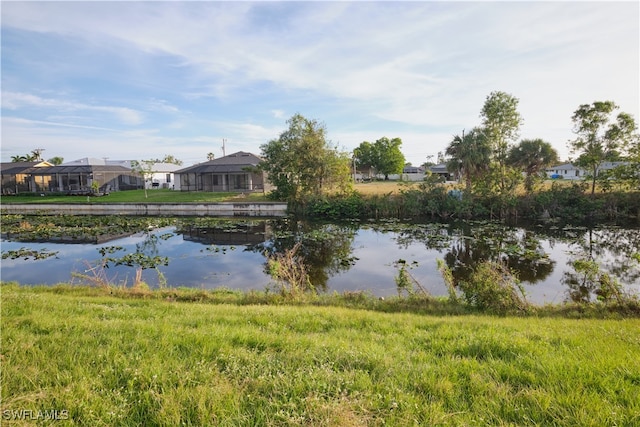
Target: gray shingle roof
<point x="236" y="162"/>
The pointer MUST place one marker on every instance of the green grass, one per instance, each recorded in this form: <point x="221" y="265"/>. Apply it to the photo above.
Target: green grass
<point x="154" y="360"/>
<point x="138" y="196"/>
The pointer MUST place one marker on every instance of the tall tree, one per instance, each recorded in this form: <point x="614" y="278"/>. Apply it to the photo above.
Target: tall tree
<point x="34" y="156"/>
<point x="501" y="123"/>
<point x="390" y="158"/>
<point x="469" y="155"/>
<point x="365" y="156"/>
<point x="532" y="156"/>
<point x="600" y="136"/>
<point x="628" y="173"/>
<point x="384" y="156"/>
<point x="302" y="163"/>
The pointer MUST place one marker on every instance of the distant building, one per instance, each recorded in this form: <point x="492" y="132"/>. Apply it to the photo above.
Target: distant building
<point x="570" y="171"/>
<point x="236" y="172"/>
<point x="163" y="176"/>
<point x="441" y="170"/>
<point x="74" y="177"/>
<point x="15" y="176"/>
<point x="78" y="176"/>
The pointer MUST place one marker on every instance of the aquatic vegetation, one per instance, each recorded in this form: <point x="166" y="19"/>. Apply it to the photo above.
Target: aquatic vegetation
<point x="76" y="228"/>
<point x="27" y="254"/>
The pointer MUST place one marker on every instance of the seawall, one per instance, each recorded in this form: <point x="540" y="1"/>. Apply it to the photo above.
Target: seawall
<point x="263" y="209"/>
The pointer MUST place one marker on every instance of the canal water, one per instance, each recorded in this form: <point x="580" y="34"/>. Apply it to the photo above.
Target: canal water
<point x="340" y="256"/>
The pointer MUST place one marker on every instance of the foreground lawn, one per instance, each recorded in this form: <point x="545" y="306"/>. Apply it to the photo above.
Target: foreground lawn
<point x="111" y="360"/>
<point x="138" y="196"/>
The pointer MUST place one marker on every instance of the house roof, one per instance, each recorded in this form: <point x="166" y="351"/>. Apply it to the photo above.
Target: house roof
<point x="236" y="162"/>
<point x="413" y="169"/>
<point x="441" y="168"/>
<point x="92" y="161"/>
<point x="12" y="168"/>
<point x="78" y="169"/>
<point x="564" y="166"/>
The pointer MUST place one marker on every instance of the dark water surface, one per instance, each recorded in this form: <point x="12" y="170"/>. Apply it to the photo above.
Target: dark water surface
<point x="341" y="257"/>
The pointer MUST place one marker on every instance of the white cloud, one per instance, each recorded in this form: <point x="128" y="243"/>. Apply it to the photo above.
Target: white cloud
<point x="278" y="114"/>
<point x="420" y="69"/>
<point x="17" y="100"/>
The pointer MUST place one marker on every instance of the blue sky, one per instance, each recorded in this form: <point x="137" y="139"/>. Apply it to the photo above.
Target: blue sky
<point x="138" y="80"/>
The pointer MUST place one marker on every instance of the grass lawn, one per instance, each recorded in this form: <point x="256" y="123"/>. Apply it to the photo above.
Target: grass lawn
<point x="114" y="360"/>
<point x="138" y="196"/>
<point x="394" y="187"/>
<point x="382" y="187"/>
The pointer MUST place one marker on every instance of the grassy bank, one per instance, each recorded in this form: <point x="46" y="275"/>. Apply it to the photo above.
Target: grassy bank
<point x="138" y="196"/>
<point x="112" y="359"/>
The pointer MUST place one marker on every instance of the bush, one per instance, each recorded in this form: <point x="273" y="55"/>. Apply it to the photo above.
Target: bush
<point x="492" y="287"/>
<point x="290" y="272"/>
<point x="335" y="207"/>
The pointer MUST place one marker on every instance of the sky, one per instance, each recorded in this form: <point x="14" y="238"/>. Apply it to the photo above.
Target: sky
<point x="140" y="80"/>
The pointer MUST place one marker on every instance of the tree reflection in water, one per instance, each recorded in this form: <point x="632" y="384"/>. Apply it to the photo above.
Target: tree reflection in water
<point x="467" y="244"/>
<point x="602" y="251"/>
<point x="326" y="249"/>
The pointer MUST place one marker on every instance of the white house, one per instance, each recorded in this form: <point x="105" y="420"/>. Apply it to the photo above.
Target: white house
<point x="163" y="176"/>
<point x="570" y="171"/>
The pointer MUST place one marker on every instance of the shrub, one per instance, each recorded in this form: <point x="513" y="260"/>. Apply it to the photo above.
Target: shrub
<point x="492" y="287"/>
<point x="290" y="272"/>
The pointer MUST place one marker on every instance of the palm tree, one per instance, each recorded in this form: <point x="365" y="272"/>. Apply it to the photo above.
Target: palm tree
<point x="469" y="154"/>
<point x="16" y="159"/>
<point x="532" y="156"/>
<point x="57" y="160"/>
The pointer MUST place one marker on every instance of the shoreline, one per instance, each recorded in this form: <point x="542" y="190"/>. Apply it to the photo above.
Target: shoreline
<point x="222" y="209"/>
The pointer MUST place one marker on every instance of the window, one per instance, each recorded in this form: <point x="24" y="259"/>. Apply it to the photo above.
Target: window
<point x="168" y="178"/>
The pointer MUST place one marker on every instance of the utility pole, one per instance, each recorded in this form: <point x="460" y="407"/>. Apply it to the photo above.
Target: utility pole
<point x="223" y="147"/>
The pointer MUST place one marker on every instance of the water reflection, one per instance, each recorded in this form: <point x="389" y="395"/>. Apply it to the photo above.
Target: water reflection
<point x="466" y="244"/>
<point x="206" y="252"/>
<point x="600" y="253"/>
<point x="325" y="249"/>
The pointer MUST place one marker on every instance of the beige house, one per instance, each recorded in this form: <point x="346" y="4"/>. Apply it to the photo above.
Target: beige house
<point x="16" y="177"/>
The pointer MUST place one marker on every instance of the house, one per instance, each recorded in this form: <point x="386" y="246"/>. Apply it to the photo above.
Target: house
<point x="565" y="171"/>
<point x="570" y="171"/>
<point x="410" y="173"/>
<point x="15" y="177"/>
<point x="78" y="176"/>
<point x="162" y="176"/>
<point x="236" y="172"/>
<point x="442" y="171"/>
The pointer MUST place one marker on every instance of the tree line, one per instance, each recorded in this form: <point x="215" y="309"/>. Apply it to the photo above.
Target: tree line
<point x="490" y="161"/>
